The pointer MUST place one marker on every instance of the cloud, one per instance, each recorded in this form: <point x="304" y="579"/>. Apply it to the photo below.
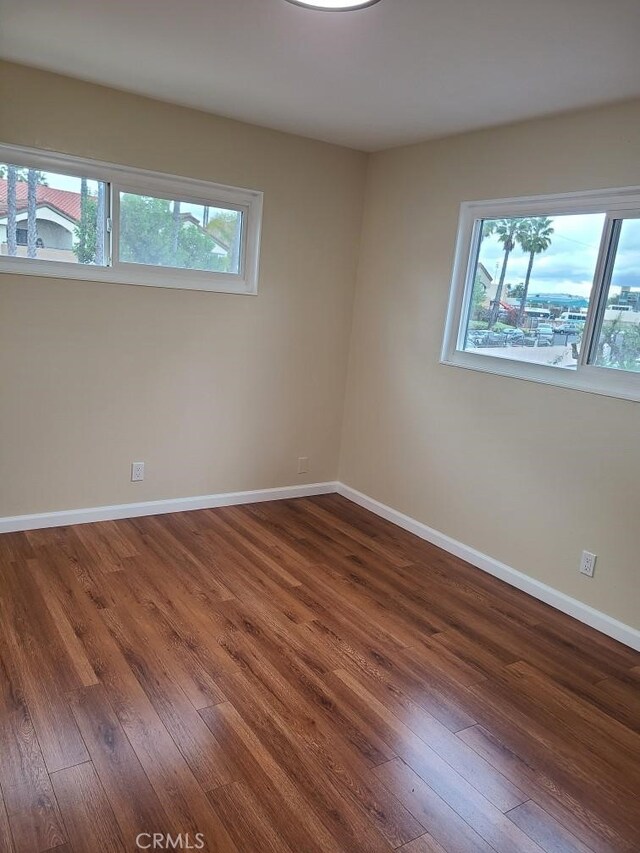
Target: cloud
<point x="568" y="265"/>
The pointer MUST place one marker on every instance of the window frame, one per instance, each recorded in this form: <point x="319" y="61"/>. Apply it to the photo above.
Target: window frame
<point x="144" y="182"/>
<point x="614" y="204"/>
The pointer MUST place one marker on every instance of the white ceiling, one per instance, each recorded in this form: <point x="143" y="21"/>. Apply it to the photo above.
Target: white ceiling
<point x="393" y="73"/>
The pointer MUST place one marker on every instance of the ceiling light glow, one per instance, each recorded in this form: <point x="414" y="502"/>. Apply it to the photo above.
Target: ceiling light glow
<point x="334" y="5"/>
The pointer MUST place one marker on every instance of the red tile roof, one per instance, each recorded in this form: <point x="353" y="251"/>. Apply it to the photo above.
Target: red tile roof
<point x="65" y="201"/>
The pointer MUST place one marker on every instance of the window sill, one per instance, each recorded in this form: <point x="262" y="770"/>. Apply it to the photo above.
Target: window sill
<point x="131" y="274"/>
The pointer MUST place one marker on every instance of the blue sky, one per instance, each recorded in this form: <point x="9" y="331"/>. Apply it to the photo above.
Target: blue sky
<point x="569" y="263"/>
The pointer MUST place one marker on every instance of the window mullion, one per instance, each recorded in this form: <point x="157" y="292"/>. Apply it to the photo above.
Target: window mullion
<point x="598" y="299"/>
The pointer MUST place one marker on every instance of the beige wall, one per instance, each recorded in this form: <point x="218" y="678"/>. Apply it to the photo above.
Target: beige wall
<point x="214" y="392"/>
<point x="526" y="473"/>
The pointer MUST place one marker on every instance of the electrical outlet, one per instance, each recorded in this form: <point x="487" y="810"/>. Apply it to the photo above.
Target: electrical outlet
<point x="303" y="464"/>
<point x="137" y="472"/>
<point x="588" y="564"/>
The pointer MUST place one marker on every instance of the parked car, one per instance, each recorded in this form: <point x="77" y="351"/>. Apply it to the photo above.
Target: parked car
<point x="495" y="339"/>
<point x="477" y="337"/>
<point x="545" y="335"/>
<point x="515" y="337"/>
<point x="570" y="327"/>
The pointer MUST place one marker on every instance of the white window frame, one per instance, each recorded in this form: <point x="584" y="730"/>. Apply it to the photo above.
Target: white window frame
<point x="614" y="204"/>
<point x="143" y="182"/>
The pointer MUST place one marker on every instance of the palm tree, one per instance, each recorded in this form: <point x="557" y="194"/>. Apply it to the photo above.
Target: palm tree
<point x="534" y="238"/>
<point x="32" y="234"/>
<point x="508" y="232"/>
<point x="12" y="179"/>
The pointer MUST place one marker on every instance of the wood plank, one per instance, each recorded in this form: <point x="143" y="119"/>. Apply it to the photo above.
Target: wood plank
<point x="291" y="679"/>
<point x="86" y="811"/>
<point x="545" y="830"/>
<point x="73" y="647"/>
<point x="180" y="718"/>
<point x="346" y="804"/>
<point x="488" y="821"/>
<point x="135" y="804"/>
<point x="564" y="749"/>
<point x="442" y="821"/>
<point x="425" y="844"/>
<point x="6" y="841"/>
<point x="538" y="780"/>
<point x="32" y="810"/>
<point x="246" y="821"/>
<point x="464" y="760"/>
<point x="42" y="665"/>
<point x="297" y="818"/>
<point x="316" y="752"/>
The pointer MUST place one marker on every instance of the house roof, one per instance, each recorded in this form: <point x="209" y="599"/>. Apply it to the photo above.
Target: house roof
<point x="485" y="271"/>
<point x="68" y="203"/>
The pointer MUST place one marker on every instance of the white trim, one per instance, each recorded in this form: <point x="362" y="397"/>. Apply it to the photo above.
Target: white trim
<point x="12" y="524"/>
<point x="130" y="179"/>
<point x="619" y="202"/>
<point x="571" y="606"/>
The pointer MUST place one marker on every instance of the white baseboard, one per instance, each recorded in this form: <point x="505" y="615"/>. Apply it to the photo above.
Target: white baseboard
<point x="11" y="524"/>
<point x="582" y="612"/>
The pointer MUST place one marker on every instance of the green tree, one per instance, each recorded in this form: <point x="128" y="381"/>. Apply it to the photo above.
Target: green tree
<point x="534" y="238"/>
<point x="516" y="291"/>
<point x="478" y="296"/>
<point x="152" y="231"/>
<point x="148" y="236"/>
<point x="619" y="345"/>
<point x="226" y="227"/>
<point x="223" y="224"/>
<point x="85" y="231"/>
<point x="508" y="233"/>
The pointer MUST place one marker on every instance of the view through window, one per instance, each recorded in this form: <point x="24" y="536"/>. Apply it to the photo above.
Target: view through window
<point x="175" y="233"/>
<point x="52" y="217"/>
<point x="532" y="283"/>
<point x="618" y="342"/>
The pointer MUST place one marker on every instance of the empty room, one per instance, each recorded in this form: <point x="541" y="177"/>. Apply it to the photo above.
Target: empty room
<point x="320" y="426"/>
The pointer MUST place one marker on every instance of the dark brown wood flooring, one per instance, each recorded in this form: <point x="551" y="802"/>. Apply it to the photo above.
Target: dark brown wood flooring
<point x="300" y="676"/>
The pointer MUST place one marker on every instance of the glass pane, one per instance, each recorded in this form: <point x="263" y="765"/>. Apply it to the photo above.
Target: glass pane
<point x="532" y="284"/>
<point x="164" y="233"/>
<point x="618" y="342"/>
<point x="52" y="217"/>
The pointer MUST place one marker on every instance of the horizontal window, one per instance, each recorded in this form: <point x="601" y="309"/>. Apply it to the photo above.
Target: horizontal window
<point x="70" y="218"/>
<point x="548" y="289"/>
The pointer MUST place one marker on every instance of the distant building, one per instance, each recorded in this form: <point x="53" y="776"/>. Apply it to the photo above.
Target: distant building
<point x="629" y="297"/>
<point x="567" y="301"/>
<point x="57" y="214"/>
<point x="484" y="279"/>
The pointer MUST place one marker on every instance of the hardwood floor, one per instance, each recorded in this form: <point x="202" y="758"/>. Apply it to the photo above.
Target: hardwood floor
<point x="300" y="676"/>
